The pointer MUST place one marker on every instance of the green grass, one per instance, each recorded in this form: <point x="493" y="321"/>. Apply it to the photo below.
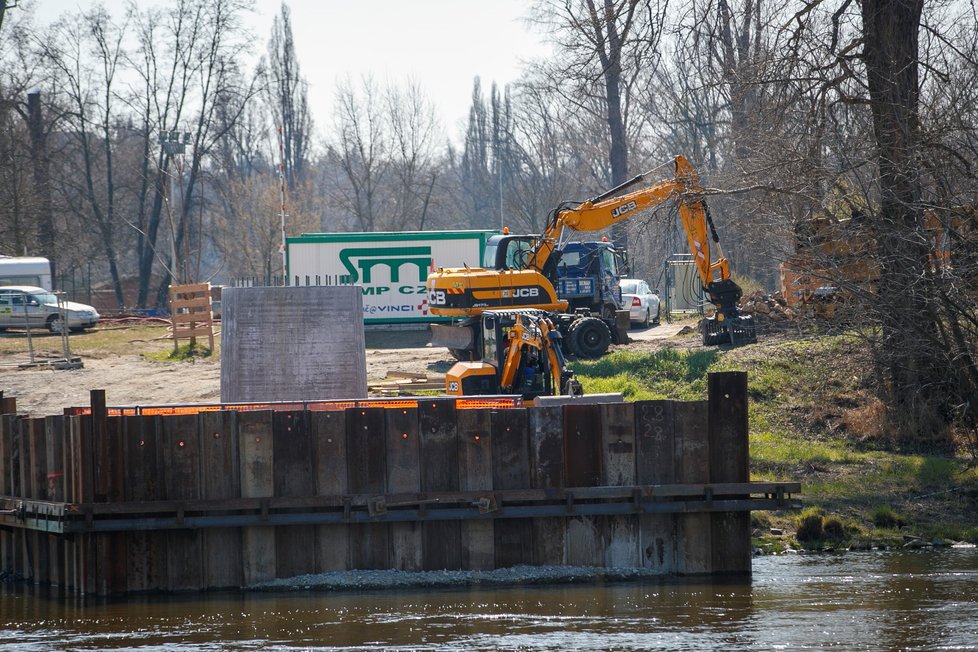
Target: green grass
<point x="183" y="352"/>
<point x="107" y="340"/>
<point x="803" y="395"/>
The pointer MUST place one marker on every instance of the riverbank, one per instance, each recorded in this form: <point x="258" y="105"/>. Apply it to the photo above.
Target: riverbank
<point x="814" y="418"/>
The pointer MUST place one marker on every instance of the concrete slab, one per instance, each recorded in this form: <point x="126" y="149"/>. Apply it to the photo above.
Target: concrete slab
<point x="292" y="344"/>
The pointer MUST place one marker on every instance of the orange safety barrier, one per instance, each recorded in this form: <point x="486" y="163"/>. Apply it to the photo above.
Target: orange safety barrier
<point x="474" y="403"/>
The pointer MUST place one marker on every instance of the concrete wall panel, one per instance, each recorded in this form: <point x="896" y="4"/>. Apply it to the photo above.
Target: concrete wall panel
<point x="292" y="344"/>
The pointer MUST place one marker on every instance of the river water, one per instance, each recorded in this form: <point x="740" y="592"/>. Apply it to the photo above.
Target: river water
<point x="921" y="600"/>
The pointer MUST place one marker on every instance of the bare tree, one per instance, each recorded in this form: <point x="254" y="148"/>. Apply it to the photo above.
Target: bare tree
<point x="361" y="152"/>
<point x="287" y="95"/>
<point x="414" y="132"/>
<point x="186" y="57"/>
<point x="86" y="52"/>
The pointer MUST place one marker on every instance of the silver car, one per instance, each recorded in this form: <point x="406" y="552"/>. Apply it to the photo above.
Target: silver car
<point x="641" y="301"/>
<point x="25" y="305"/>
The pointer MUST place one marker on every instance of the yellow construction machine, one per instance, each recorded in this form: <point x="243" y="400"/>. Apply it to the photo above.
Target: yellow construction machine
<point x="521" y="355"/>
<point x="525" y="277"/>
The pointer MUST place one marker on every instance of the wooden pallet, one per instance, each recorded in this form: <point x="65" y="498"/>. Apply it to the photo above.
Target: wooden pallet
<point x="190" y="313"/>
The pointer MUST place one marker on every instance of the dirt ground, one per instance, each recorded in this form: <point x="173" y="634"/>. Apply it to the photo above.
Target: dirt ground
<point x="132" y="378"/>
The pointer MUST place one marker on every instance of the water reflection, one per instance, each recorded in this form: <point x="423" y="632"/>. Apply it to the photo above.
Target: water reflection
<point x="919" y="600"/>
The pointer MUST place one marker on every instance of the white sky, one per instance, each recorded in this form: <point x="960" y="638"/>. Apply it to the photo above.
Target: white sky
<point x="440" y="44"/>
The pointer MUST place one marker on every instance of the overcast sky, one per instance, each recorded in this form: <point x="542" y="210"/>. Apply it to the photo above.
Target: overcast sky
<point x="441" y="44"/>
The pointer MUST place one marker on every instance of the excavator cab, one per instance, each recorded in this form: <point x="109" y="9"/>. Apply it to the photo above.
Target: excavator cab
<point x="509" y="251"/>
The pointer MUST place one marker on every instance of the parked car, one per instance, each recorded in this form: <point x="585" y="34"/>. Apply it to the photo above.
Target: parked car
<point x="641" y="301"/>
<point x="23" y="305"/>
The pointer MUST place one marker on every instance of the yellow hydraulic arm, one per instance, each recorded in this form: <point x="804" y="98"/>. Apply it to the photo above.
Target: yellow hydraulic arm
<point x="602" y="212"/>
<point x="531" y="333"/>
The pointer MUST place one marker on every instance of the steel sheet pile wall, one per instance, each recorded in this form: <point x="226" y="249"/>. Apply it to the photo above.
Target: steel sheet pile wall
<point x="363" y="488"/>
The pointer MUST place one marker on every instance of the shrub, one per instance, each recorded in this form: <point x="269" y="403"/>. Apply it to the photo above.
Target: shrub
<point x="834" y="529"/>
<point x="810" y="529"/>
<point x="886" y="517"/>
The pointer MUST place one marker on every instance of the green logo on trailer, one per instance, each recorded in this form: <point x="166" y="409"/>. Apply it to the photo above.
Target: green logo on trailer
<point x="360" y="262"/>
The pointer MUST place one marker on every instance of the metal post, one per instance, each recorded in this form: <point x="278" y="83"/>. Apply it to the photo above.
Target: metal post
<point x="27" y="323"/>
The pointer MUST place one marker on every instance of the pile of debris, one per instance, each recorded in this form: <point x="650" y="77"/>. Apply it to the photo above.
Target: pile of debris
<point x="767" y="308"/>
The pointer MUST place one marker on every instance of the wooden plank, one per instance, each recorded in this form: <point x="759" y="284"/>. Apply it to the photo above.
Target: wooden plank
<point x="582" y="445"/>
<point x="655" y="463"/>
<point x="8" y="405"/>
<point x="72" y="458"/>
<point x="582" y="468"/>
<point x="511" y="470"/>
<point x="366" y="444"/>
<point x="618" y="470"/>
<point x="729" y="462"/>
<point x="475" y="474"/>
<point x="329" y="441"/>
<point x="181" y="464"/>
<point x="404" y="476"/>
<point x="37" y="542"/>
<point x="654" y="442"/>
<point x="115" y="555"/>
<point x="193" y="302"/>
<point x="146" y="561"/>
<point x="6" y="461"/>
<point x="220" y="479"/>
<point x="54" y="436"/>
<point x="25" y="484"/>
<point x="189" y="288"/>
<point x="98" y="421"/>
<point x="441" y="541"/>
<point x="257" y="481"/>
<point x="16" y="449"/>
<point x="693" y="532"/>
<point x="294" y="477"/>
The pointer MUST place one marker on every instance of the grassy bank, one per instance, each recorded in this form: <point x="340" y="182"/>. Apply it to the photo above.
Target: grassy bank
<point x="814" y="419"/>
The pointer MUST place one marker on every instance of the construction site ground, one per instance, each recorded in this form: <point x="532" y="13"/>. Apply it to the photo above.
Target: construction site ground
<point x="124" y="359"/>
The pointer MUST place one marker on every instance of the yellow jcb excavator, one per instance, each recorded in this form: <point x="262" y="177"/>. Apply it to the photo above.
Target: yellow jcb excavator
<point x="526" y="280"/>
<point x="521" y="355"/>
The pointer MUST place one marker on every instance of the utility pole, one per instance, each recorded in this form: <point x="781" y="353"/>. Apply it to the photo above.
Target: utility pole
<point x="174" y="144"/>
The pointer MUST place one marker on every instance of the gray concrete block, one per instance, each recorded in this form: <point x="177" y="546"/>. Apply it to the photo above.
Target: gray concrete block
<point x="292" y="344"/>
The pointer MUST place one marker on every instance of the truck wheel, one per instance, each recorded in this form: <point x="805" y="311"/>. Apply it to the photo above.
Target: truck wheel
<point x="589" y="337"/>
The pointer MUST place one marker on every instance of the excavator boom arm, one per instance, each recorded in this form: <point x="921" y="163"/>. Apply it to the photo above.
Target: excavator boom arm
<point x="602" y="212"/>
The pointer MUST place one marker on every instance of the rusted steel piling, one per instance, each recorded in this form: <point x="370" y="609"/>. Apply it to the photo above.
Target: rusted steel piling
<point x="108" y="500"/>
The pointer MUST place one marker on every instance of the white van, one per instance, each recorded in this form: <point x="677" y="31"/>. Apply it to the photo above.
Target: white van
<point x="26" y="270"/>
<point x="25" y="305"/>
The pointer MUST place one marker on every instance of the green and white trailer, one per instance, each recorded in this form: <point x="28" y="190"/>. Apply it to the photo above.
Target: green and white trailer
<point x="390" y="267"/>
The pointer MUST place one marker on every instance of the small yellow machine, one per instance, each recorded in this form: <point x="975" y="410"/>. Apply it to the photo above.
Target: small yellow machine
<point x="521" y="355"/>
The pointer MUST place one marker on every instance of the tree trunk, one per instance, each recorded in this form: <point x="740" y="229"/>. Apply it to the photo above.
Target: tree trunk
<point x="42" y="182"/>
<point x="907" y="353"/>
